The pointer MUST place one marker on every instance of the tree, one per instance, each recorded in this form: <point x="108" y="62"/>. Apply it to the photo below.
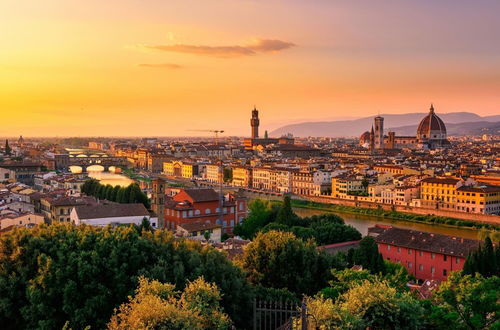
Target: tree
<point x="286" y="216"/>
<point x="282" y="261"/>
<point x="367" y="255"/>
<point x="55" y="273"/>
<point x="228" y="174"/>
<point x="367" y="304"/>
<point x="466" y="302"/>
<point x="484" y="260"/>
<point x="109" y="192"/>
<point x="158" y="306"/>
<point x="259" y="215"/>
<point x="8" y="150"/>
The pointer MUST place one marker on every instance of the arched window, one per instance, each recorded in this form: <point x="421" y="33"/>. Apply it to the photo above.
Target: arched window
<point x="197" y="212"/>
<point x="207" y="211"/>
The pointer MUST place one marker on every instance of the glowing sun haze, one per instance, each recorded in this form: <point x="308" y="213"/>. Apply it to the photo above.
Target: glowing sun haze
<point x="156" y="67"/>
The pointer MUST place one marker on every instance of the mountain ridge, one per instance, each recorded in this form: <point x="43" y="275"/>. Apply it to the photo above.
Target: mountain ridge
<point x="356" y="127"/>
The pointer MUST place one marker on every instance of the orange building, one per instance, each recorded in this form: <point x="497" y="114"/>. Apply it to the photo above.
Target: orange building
<point x="203" y="205"/>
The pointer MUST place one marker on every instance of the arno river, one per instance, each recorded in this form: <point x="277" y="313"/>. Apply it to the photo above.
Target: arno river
<point x="360" y="222"/>
<point x="363" y="222"/>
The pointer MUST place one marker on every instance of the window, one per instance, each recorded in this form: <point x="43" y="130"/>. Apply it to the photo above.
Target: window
<point x="207" y="211"/>
<point x="399" y="249"/>
<point x="457" y="260"/>
<point x="421" y="253"/>
<point x="197" y="212"/>
<point x="433" y="255"/>
<point x="432" y="269"/>
<point x="444" y="257"/>
<point x="388" y="247"/>
<point x="445" y="273"/>
<point x="410" y="265"/>
<point x="409" y="251"/>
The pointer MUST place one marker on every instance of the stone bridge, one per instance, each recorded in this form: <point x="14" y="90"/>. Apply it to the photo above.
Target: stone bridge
<point x="64" y="161"/>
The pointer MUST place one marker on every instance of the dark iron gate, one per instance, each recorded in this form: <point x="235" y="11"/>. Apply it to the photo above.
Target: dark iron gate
<point x="279" y="315"/>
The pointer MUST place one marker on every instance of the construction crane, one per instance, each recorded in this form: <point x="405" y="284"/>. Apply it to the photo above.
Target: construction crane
<point x="216" y="132"/>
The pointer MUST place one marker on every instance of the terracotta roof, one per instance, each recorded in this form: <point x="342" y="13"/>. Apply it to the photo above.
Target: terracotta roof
<point x="202" y="195"/>
<point x="485" y="189"/>
<point x="441" y="180"/>
<point x="110" y="211"/>
<point x="431" y="122"/>
<point x="419" y="240"/>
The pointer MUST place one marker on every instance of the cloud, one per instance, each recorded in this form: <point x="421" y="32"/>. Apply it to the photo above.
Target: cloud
<point x="161" y="65"/>
<point x="259" y="46"/>
<point x="270" y="45"/>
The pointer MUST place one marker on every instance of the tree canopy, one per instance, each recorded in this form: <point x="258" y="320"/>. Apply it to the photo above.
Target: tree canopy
<point x="466" y="302"/>
<point x="158" y="306"/>
<point x="130" y="194"/>
<point x="485" y="260"/>
<point x="282" y="261"/>
<point x="324" y="229"/>
<point x="55" y="273"/>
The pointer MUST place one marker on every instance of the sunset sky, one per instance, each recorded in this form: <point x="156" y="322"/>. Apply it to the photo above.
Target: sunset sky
<point x="163" y="67"/>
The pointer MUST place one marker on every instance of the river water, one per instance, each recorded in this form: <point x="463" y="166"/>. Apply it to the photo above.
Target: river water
<point x="111" y="178"/>
<point x="363" y="222"/>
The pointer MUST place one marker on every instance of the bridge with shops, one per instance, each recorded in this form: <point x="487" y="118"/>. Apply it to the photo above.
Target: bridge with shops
<point x="85" y="158"/>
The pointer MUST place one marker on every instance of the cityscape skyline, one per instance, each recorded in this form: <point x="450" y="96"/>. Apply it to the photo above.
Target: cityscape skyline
<point x="114" y="62"/>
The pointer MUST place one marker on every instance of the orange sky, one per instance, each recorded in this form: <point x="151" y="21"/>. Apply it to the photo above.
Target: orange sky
<point x="156" y="67"/>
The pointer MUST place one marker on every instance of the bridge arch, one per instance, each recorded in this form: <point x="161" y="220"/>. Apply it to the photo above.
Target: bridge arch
<point x="75" y="169"/>
<point x="95" y="168"/>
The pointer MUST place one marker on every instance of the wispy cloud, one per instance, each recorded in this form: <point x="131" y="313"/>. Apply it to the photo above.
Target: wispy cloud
<point x="161" y="65"/>
<point x="259" y="46"/>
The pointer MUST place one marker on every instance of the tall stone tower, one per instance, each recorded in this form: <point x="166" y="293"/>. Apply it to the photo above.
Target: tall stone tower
<point x="379" y="132"/>
<point x="254" y="122"/>
<point x="158" y="200"/>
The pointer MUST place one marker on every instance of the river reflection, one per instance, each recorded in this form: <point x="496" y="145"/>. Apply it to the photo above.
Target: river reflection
<point x="111" y="178"/>
<point x="363" y="222"/>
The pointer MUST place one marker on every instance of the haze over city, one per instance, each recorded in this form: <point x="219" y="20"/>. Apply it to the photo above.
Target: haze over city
<point x="122" y="68"/>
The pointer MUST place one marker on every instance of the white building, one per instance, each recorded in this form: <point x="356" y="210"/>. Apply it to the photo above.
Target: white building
<point x="111" y="214"/>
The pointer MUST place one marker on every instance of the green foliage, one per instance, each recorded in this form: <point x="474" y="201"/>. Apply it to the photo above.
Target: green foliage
<point x="158" y="306"/>
<point x="286" y="216"/>
<point x="379" y="212"/>
<point x="228" y="174"/>
<point x="130" y="194"/>
<point x="484" y="260"/>
<point x="367" y="255"/>
<point x="259" y="215"/>
<point x="366" y="304"/>
<point x="325" y="228"/>
<point x="282" y="261"/>
<point x="51" y="274"/>
<point x="466" y="302"/>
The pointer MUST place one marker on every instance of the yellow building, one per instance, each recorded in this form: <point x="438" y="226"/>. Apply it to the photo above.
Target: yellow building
<point x="439" y="193"/>
<point x="242" y="177"/>
<point x="180" y="169"/>
<point x="343" y="186"/>
<point x="484" y="200"/>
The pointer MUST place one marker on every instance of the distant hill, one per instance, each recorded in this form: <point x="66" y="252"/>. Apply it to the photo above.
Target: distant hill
<point x="357" y="126"/>
<point x="474" y="128"/>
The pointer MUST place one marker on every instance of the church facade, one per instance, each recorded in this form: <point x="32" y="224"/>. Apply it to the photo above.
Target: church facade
<point x="431" y="134"/>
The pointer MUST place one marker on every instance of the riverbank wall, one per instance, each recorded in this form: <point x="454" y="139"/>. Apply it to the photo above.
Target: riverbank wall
<point x="480" y="218"/>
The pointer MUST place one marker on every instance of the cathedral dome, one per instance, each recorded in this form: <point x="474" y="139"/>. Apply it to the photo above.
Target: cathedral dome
<point x="364" y="138"/>
<point x="431" y="127"/>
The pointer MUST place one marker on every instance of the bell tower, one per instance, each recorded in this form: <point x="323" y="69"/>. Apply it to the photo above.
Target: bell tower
<point x="254" y="122"/>
<point x="158" y="201"/>
<point x="379" y="132"/>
